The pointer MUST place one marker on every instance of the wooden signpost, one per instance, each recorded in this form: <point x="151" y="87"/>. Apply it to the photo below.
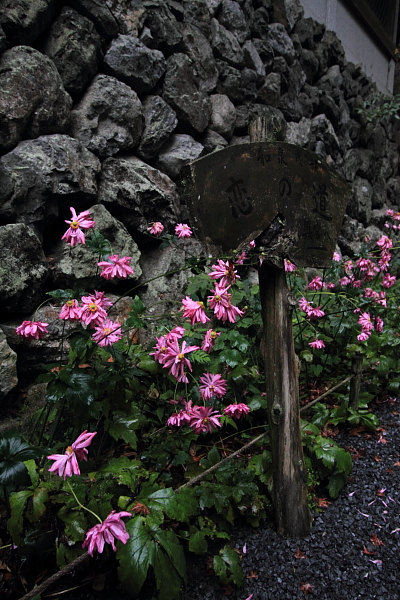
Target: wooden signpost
<point x="292" y="203"/>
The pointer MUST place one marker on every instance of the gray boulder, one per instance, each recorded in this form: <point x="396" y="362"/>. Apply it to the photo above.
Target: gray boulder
<point x="252" y="59"/>
<point x="178" y="151"/>
<point x="74" y="46"/>
<point x="198" y="49"/>
<point x="23" y="20"/>
<point x="159" y="122"/>
<point x="309" y="63"/>
<point x="294" y="12"/>
<point x="76" y="268"/>
<point x="23" y="269"/>
<point x="109" y="118"/>
<point x="275" y="119"/>
<point x="360" y="203"/>
<point x="270" y="91"/>
<point x="33" y="100"/>
<point x="299" y="133"/>
<point x="162" y="23"/>
<point x="39" y="176"/>
<point x="197" y="14"/>
<point x="280" y="42"/>
<point x="138" y="194"/>
<point x="97" y="11"/>
<point x="225" y="45"/>
<point x="212" y="141"/>
<point x="223" y="116"/>
<point x="183" y="92"/>
<point x="8" y="367"/>
<point x="230" y="82"/>
<point x="233" y="19"/>
<point x="129" y="14"/>
<point x="129" y="60"/>
<point x="322" y="130"/>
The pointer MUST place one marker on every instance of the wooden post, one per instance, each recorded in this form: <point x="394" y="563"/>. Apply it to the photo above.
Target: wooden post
<point x="355" y="384"/>
<point x="289" y="473"/>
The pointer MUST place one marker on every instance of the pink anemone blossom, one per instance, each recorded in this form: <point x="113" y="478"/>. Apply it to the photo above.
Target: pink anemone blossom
<point x="108" y="333"/>
<point x="212" y="385"/>
<point x="317" y="344"/>
<point x="205" y="419"/>
<point x="225" y="271"/>
<point x="112" y="528"/>
<point x="175" y="334"/>
<point x="240" y="258"/>
<point x="67" y="464"/>
<point x="236" y="410"/>
<point x="388" y="280"/>
<point x="70" y="311"/>
<point x="101" y="300"/>
<point x="92" y="313"/>
<point x="156" y="228"/>
<point x="209" y="340"/>
<point x="183" y="231"/>
<point x="32" y="329"/>
<point x="160" y="350"/>
<point x="194" y="310"/>
<point x="289" y="266"/>
<point x="176" y="361"/>
<point x="384" y="242"/>
<point x="74" y="235"/>
<point x="316" y="284"/>
<point x="336" y="257"/>
<point x="220" y="302"/>
<point x="118" y="267"/>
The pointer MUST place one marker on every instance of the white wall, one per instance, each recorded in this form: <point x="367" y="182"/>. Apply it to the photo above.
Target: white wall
<point x="359" y="45"/>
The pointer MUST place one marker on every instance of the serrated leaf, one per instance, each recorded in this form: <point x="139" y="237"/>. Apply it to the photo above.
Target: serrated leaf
<point x="200" y="357"/>
<point x="15" y="523"/>
<point x="177" y="506"/>
<point x="336" y="482"/>
<point x="149" y="366"/>
<point x="32" y="472"/>
<point x="39" y="499"/>
<point x="136" y="555"/>
<point x="231" y="357"/>
<point x="198" y="543"/>
<point x="213" y="456"/>
<point x="76" y="524"/>
<point x="124" y="427"/>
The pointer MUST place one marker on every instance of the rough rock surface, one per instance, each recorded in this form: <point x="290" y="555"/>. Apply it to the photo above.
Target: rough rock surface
<point x="129" y="60"/>
<point x="75" y="48"/>
<point x="138" y="194"/>
<point x="39" y="177"/>
<point x="109" y="118"/>
<point x="177" y="152"/>
<point x="104" y="19"/>
<point x="8" y="367"/>
<point x="76" y="267"/>
<point x="159" y="122"/>
<point x="199" y="50"/>
<point x="33" y="100"/>
<point x="223" y="116"/>
<point x="23" y="269"/>
<point x="183" y="92"/>
<point x="23" y="20"/>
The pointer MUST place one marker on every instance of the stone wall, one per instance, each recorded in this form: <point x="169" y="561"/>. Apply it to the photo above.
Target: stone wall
<point x="103" y="101"/>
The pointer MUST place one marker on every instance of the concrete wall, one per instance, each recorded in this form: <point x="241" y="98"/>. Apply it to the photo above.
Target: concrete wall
<point x="360" y="47"/>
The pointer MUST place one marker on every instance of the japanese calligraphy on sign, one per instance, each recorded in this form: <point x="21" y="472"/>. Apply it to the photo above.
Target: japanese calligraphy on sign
<point x="233" y="196"/>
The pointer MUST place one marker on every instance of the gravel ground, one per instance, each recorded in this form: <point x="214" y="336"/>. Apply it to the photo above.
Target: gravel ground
<point x="337" y="562"/>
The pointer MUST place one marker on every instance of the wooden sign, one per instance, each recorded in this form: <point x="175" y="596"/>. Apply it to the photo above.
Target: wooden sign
<point x="235" y="194"/>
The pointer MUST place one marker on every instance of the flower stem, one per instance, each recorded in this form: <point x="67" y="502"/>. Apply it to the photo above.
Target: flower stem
<point x="81" y="505"/>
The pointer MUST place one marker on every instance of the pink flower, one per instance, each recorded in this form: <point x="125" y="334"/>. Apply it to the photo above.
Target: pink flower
<point x="156" y="228"/>
<point x="252" y="244"/>
<point x="32" y="329"/>
<point x="224" y="271"/>
<point x="330" y="286"/>
<point x="240" y="258"/>
<point x="175" y="334"/>
<point x="289" y="266"/>
<point x="344" y="281"/>
<point x="378" y="324"/>
<point x="212" y="385"/>
<point x="384" y="260"/>
<point x="388" y="280"/>
<point x="317" y="344"/>
<point x="304" y="305"/>
<point x="363" y="336"/>
<point x="221" y="303"/>
<point x="365" y="321"/>
<point x="384" y="242"/>
<point x="315" y="313"/>
<point x="70" y="311"/>
<point x="316" y="284"/>
<point x="175" y="360"/>
<point x="183" y="231"/>
<point x="118" y="267"/>
<point x="236" y="410"/>
<point x="67" y="464"/>
<point x="101" y="300"/>
<point x="112" y="528"/>
<point x="74" y="235"/>
<point x="160" y="348"/>
<point x="390" y="212"/>
<point x="194" y="310"/>
<point x="336" y="257"/>
<point x="92" y="312"/>
<point x="209" y="340"/>
<point x="108" y="333"/>
<point x="205" y="419"/>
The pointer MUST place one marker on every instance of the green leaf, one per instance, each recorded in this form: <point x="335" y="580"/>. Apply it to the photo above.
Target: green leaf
<point x="197" y="542"/>
<point x="231" y="357"/>
<point x="149" y="366"/>
<point x="169" y="582"/>
<point x="213" y="456"/>
<point x="177" y="506"/>
<point x="200" y="357"/>
<point x="137" y="309"/>
<point x="31" y="468"/>
<point x="227" y="567"/>
<point x="170" y="543"/>
<point x="124" y="427"/>
<point x="15" y="523"/>
<point x="336" y="482"/>
<point x="76" y="524"/>
<point x="13" y="451"/>
<point x="82" y="386"/>
<point x="136" y="555"/>
<point x="39" y="499"/>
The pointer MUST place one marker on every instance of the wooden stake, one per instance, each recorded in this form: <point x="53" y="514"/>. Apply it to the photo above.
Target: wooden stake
<point x="289" y="473"/>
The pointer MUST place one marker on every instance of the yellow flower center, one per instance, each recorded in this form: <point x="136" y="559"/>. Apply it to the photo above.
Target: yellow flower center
<point x="213" y="335"/>
<point x="106" y="330"/>
<point x="180" y="356"/>
<point x="69" y="450"/>
<point x="201" y="304"/>
<point x="163" y="349"/>
<point x="93" y="307"/>
<point x="69" y="302"/>
<point x="74" y="225"/>
<point x="217" y="297"/>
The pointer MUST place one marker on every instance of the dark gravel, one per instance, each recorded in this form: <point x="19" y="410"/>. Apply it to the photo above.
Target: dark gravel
<point x="335" y="562"/>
